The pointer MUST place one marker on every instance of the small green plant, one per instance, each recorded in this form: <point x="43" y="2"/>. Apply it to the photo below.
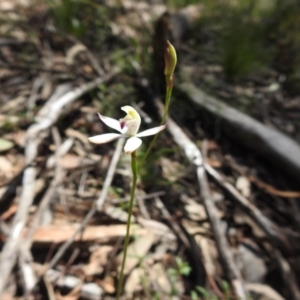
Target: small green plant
<point x="194" y="295"/>
<point x="238" y="35"/>
<point x="243" y="43"/>
<point x="66" y="15"/>
<point x="181" y="3"/>
<point x="226" y="289"/>
<point x="204" y="293"/>
<point x="284" y="32"/>
<point x="182" y="269"/>
<point x="84" y="19"/>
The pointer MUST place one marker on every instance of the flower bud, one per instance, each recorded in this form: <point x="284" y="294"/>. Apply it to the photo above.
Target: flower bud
<point x="170" y="61"/>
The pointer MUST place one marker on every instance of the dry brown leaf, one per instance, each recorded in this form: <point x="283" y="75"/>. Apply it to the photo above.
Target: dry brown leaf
<point x="242" y="218"/>
<point x="47" y="89"/>
<point x="98" y="260"/>
<point x="160" y="279"/>
<point x="212" y="145"/>
<point x="3" y="188"/>
<point x="70" y="161"/>
<point x="6" y="166"/>
<point x="8" y="119"/>
<point x="88" y="69"/>
<point x="159" y="229"/>
<point x="7" y="296"/>
<point x="17" y="160"/>
<point x="196" y="212"/>
<point x="108" y="285"/>
<point x="39" y="185"/>
<point x="73" y="52"/>
<point x="122" y="27"/>
<point x="243" y="185"/>
<point x="193" y="228"/>
<point x="214" y="163"/>
<point x="8" y="213"/>
<point x="19" y="137"/>
<point x="209" y="254"/>
<point x="117" y="213"/>
<point x="7" y="5"/>
<point x="78" y="135"/>
<point x="136" y="251"/>
<point x="134" y="282"/>
<point x="67" y="297"/>
<point x="172" y="170"/>
<point x="161" y="249"/>
<point x="14" y="104"/>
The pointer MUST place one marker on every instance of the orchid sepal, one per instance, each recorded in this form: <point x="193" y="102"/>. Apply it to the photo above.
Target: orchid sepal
<point x="152" y="131"/>
<point x="110" y="122"/>
<point x="104" y="138"/>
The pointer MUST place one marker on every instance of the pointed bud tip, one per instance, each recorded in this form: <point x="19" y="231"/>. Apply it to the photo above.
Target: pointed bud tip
<point x="170" y="59"/>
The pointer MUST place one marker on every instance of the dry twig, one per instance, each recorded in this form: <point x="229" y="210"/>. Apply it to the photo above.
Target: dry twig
<point x="46" y="118"/>
<point x="99" y="204"/>
<point x="270" y="143"/>
<point x="194" y="155"/>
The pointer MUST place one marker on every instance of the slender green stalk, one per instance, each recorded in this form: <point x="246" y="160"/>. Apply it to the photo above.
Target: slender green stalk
<point x="126" y="242"/>
<point x="163" y="121"/>
<point x="167" y="103"/>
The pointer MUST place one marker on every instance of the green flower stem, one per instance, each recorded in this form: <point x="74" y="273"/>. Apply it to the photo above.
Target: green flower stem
<point x="167" y="103"/>
<point x="163" y="121"/>
<point x="126" y="242"/>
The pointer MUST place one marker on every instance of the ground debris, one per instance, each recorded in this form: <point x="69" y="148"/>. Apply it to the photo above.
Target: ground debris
<point x="210" y="218"/>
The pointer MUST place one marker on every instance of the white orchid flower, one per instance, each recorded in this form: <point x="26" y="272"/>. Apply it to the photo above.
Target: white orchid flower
<point x="128" y="128"/>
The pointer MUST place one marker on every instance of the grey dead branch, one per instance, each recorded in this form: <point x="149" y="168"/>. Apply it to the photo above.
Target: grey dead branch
<point x="276" y="237"/>
<point x="195" y="157"/>
<point x="45" y="119"/>
<point x="268" y="142"/>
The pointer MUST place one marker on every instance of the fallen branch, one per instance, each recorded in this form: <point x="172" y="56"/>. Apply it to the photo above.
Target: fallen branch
<point x="268" y="142"/>
<point x="45" y="119"/>
<point x="195" y="157"/>
<point x="103" y="234"/>
<point x="274" y="233"/>
<point x="98" y="206"/>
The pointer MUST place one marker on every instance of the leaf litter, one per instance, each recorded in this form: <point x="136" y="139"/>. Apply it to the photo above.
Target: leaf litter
<point x="45" y="123"/>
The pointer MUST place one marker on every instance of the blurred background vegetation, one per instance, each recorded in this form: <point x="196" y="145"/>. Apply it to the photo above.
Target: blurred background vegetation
<point x="250" y="46"/>
<point x="248" y="36"/>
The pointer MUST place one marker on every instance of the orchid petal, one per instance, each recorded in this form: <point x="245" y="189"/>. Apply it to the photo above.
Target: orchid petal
<point x="131" y="123"/>
<point x="131" y="128"/>
<point x="131" y="112"/>
<point x="104" y="138"/>
<point x="151" y="131"/>
<point x="112" y="123"/>
<point x="132" y="144"/>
